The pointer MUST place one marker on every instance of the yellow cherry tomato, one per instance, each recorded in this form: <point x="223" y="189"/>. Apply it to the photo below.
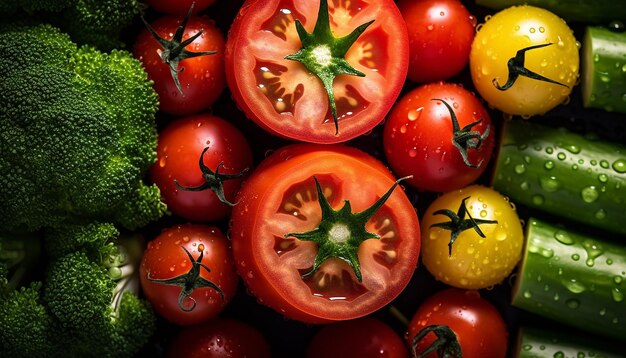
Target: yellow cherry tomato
<point x="524" y="60"/>
<point x="471" y="238"/>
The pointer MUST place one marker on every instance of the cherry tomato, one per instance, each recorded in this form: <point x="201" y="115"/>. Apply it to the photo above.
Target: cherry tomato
<point x="202" y="78"/>
<point x="175" y="274"/>
<point x="440" y="38"/>
<point x="299" y="246"/>
<point x="287" y="96"/>
<point x="179" y="7"/>
<point x="476" y="325"/>
<point x="181" y="145"/>
<point x="364" y="338"/>
<point x="472" y="238"/>
<point x="524" y="61"/>
<point x="219" y="338"/>
<point x="422" y="139"/>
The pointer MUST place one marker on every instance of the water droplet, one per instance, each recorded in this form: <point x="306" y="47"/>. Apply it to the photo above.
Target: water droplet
<point x="403" y="129"/>
<point x="574" y="286"/>
<point x="524" y="185"/>
<point x="559" y="354"/>
<point x="602" y="312"/>
<point x="537" y="200"/>
<point x="572" y="303"/>
<point x="600" y="214"/>
<point x="542" y="29"/>
<point x="549" y="184"/>
<point x="527" y="347"/>
<point x="549" y="150"/>
<point x="163" y="161"/>
<point x="549" y="165"/>
<point x="561" y="156"/>
<point x="430" y="27"/>
<point x="620" y="166"/>
<point x="618" y="280"/>
<point x="604" y="164"/>
<point x="574" y="149"/>
<point x="563" y="237"/>
<point x="532" y="30"/>
<point x="520" y="168"/>
<point x="589" y="194"/>
<point x="575" y="257"/>
<point x="556" y="297"/>
<point x="413" y="152"/>
<point x="617" y="295"/>
<point x="603" y="178"/>
<point x="415" y="113"/>
<point x="528" y="294"/>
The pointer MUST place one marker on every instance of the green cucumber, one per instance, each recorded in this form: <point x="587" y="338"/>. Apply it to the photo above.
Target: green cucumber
<point x="604" y="69"/>
<point x="576" y="177"/>
<point x="574" y="279"/>
<point x="587" y="11"/>
<point x="541" y="343"/>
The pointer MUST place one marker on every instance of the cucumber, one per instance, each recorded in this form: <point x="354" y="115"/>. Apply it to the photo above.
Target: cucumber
<point x="576" y="177"/>
<point x="604" y="69"/>
<point x="574" y="279"/>
<point x="541" y="343"/>
<point x="586" y="11"/>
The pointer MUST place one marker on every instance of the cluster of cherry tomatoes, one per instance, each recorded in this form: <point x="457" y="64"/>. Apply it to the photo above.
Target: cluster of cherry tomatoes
<point x="324" y="231"/>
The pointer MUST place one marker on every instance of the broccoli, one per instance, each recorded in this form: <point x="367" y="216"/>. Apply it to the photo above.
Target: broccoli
<point x="86" y="304"/>
<point x="78" y="133"/>
<point x="95" y="22"/>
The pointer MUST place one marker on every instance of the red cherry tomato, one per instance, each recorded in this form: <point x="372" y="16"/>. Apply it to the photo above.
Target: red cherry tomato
<point x="219" y="338"/>
<point x="419" y="137"/>
<point x="179" y="7"/>
<point x="286" y="97"/>
<point x="440" y="38"/>
<point x="181" y="144"/>
<point x="180" y="255"/>
<point x="201" y="78"/>
<point x="279" y="203"/>
<point x="474" y="321"/>
<point x="363" y="338"/>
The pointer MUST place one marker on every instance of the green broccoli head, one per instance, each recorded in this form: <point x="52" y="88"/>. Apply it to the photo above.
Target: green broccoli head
<point x="78" y="131"/>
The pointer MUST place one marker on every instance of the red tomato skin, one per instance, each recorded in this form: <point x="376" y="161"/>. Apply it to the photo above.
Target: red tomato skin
<point x="164" y="258"/>
<point x="219" y="338"/>
<point x="418" y="141"/>
<point x="440" y="38"/>
<point x="179" y="7"/>
<point x="479" y="327"/>
<point x="325" y="135"/>
<point x="203" y="78"/>
<point x="364" y="338"/>
<point x="268" y="286"/>
<point x="178" y="152"/>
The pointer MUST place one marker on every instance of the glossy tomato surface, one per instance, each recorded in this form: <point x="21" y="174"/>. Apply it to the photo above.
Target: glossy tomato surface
<point x="473" y="260"/>
<point x="363" y="338"/>
<point x="477" y="324"/>
<point x="440" y="38"/>
<point x="181" y="145"/>
<point x="497" y="47"/>
<point x="285" y="98"/>
<point x="219" y="338"/>
<point x="165" y="258"/>
<point x="280" y="198"/>
<point x="202" y="78"/>
<point x="419" y="137"/>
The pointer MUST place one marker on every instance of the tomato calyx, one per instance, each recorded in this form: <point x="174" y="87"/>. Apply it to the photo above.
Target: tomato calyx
<point x="465" y="138"/>
<point x="213" y="180"/>
<point x="174" y="50"/>
<point x="190" y="281"/>
<point x="341" y="232"/>
<point x="447" y="344"/>
<point x="458" y="223"/>
<point x="324" y="54"/>
<point x="516" y="68"/>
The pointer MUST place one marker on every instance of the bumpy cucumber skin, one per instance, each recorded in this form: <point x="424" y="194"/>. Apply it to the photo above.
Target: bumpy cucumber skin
<point x="604" y="69"/>
<point x="586" y="11"/>
<point x="563" y="173"/>
<point x="540" y="343"/>
<point x="574" y="279"/>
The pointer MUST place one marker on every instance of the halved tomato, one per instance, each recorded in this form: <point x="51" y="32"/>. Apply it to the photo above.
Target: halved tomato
<point x="288" y="98"/>
<point x="282" y="233"/>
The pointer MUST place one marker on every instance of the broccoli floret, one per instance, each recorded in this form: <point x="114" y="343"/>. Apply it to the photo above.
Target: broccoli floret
<point x="78" y="132"/>
<point x="94" y="22"/>
<point x="88" y="306"/>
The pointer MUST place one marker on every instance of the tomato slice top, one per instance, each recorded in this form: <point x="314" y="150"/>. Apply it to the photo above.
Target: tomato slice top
<point x="285" y="98"/>
<point x="281" y="198"/>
